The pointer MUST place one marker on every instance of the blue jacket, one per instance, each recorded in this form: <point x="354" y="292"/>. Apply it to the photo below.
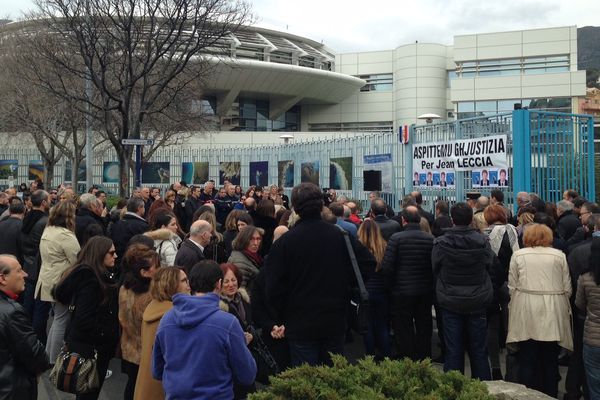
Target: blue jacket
<point x="200" y="350"/>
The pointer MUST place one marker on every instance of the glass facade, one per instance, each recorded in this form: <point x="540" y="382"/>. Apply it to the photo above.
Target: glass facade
<point x="377" y="83"/>
<point x="250" y="114"/>
<point x="470" y="109"/>
<point x="374" y="127"/>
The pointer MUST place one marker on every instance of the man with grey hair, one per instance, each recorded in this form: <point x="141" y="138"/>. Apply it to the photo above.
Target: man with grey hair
<point x="567" y="222"/>
<point x="478" y="219"/>
<point x="192" y="248"/>
<point x="89" y="213"/>
<point x="523" y="199"/>
<point x="133" y="223"/>
<point x="22" y="356"/>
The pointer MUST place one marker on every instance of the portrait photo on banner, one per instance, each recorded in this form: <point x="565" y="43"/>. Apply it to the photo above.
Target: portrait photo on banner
<point x="230" y="171"/>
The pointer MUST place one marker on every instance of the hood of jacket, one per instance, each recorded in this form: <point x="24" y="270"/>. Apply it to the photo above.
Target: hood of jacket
<point x="190" y="311"/>
<point x="155" y="310"/>
<point x="161" y="234"/>
<point x="31" y="219"/>
<point x="462" y="243"/>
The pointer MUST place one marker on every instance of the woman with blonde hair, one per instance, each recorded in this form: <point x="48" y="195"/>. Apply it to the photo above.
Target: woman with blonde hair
<point x="167" y="282"/>
<point x="58" y="251"/>
<point x="215" y="250"/>
<point x="539" y="309"/>
<point x="377" y="337"/>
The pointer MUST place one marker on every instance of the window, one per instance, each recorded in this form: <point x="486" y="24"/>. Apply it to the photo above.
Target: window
<point x="513" y="66"/>
<point x="377" y="83"/>
<point x="254" y="116"/>
<point x="374" y="127"/>
<point x="469" y="109"/>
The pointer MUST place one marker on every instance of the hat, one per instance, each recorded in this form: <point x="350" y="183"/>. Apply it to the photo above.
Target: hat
<point x="473" y="195"/>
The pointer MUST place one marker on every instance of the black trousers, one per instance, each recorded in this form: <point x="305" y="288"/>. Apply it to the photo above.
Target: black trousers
<point x="538" y="366"/>
<point x="575" y="383"/>
<point x="413" y="325"/>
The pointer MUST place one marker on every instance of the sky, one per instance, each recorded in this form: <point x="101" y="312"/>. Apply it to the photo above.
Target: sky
<point x="353" y="25"/>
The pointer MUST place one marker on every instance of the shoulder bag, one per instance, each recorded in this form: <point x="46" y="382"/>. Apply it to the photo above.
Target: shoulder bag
<point x="359" y="297"/>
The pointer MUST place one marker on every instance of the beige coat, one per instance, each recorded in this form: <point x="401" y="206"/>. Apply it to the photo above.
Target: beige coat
<point x="146" y="387"/>
<point x="540" y="287"/>
<point x="58" y="250"/>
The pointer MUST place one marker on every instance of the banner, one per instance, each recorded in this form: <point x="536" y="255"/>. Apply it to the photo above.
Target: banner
<point x="259" y="173"/>
<point x="285" y="173"/>
<point x="230" y="171"/>
<point x="340" y="173"/>
<point x="110" y="172"/>
<point x="194" y="172"/>
<point x="383" y="163"/>
<point x="434" y="164"/>
<point x="156" y="172"/>
<point x="9" y="169"/>
<point x="309" y="172"/>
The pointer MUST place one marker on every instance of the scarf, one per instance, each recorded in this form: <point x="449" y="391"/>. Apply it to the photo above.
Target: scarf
<point x="254" y="257"/>
<point x="496" y="233"/>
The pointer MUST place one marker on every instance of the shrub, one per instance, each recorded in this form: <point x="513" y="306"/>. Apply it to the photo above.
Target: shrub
<point x="369" y="380"/>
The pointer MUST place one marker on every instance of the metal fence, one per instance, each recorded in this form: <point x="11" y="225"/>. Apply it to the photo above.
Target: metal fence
<point x="547" y="153"/>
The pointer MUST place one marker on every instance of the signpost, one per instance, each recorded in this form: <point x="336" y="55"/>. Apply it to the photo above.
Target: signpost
<point x="138" y="143"/>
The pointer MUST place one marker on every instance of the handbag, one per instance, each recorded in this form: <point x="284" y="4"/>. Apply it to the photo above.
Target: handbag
<point x="266" y="365"/>
<point x="359" y="297"/>
<point x="75" y="371"/>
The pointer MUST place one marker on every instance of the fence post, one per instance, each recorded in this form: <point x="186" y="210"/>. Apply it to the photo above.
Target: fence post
<point x="408" y="159"/>
<point x="521" y="152"/>
<point x="591" y="156"/>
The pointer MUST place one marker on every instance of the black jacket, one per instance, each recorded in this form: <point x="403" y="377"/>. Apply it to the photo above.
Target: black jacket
<point x="441" y="223"/>
<point x="268" y="224"/>
<point x="124" y="230"/>
<point x="188" y="255"/>
<point x="387" y="226"/>
<point x="567" y="224"/>
<point x="579" y="263"/>
<point x="190" y="206"/>
<point x="34" y="224"/>
<point x="10" y="237"/>
<point x="462" y="259"/>
<point x="427" y="215"/>
<point x="95" y="320"/>
<point x="85" y="218"/>
<point x="308" y="280"/>
<point x="22" y="355"/>
<point x="407" y="262"/>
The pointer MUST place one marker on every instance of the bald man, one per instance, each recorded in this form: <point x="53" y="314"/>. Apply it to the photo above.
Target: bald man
<point x="192" y="249"/>
<point x="23" y="357"/>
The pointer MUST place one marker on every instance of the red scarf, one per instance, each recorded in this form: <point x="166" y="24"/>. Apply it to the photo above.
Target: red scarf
<point x="12" y="295"/>
<point x="254" y="257"/>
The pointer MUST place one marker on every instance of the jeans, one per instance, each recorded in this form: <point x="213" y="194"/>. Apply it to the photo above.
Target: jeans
<point x="591" y="359"/>
<point x="538" y="366"/>
<point x="413" y="325"/>
<point x="378" y="335"/>
<point x="315" y="352"/>
<point x="473" y="327"/>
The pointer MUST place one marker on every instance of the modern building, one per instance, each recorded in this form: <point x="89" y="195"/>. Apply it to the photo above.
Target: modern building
<point x="292" y="84"/>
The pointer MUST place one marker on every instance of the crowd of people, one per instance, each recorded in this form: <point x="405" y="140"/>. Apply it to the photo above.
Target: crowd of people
<point x="242" y="284"/>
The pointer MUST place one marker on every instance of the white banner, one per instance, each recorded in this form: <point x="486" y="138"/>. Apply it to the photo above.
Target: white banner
<point x="434" y="164"/>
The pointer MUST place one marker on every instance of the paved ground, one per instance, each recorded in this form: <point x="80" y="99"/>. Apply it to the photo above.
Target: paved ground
<point x="114" y="386"/>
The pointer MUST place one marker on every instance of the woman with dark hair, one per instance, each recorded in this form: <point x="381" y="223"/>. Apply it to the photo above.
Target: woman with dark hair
<point x="284" y="218"/>
<point x="377" y="339"/>
<point x="243" y="220"/>
<point x="246" y="255"/>
<point x="265" y="219"/>
<point x="166" y="238"/>
<point x="539" y="310"/>
<point x="588" y="299"/>
<point x="231" y="229"/>
<point x="167" y="282"/>
<point x="504" y="241"/>
<point x="88" y="286"/>
<point x="158" y="207"/>
<point x="139" y="265"/>
<point x="58" y="251"/>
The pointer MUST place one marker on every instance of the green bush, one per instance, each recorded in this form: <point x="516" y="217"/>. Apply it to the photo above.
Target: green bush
<point x="369" y="380"/>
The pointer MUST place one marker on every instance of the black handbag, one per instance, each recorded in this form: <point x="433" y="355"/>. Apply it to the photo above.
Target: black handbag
<point x="75" y="369"/>
<point x="266" y="365"/>
<point x="358" y="318"/>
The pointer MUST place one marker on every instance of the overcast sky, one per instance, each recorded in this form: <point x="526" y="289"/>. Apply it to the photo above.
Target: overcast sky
<point x="359" y="25"/>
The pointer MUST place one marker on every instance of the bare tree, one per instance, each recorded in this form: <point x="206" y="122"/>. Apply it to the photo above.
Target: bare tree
<point x="139" y="55"/>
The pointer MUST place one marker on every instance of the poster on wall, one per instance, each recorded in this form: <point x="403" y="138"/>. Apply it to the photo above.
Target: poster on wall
<point x="110" y="172"/>
<point x="230" y="171"/>
<point x="340" y="173"/>
<point x="309" y="172"/>
<point x="9" y="169"/>
<point x="285" y="173"/>
<point x="81" y="171"/>
<point x="36" y="170"/>
<point x="259" y="173"/>
<point x="383" y="163"/>
<point x="156" y="172"/>
<point x="434" y="164"/>
<point x="194" y="172"/>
